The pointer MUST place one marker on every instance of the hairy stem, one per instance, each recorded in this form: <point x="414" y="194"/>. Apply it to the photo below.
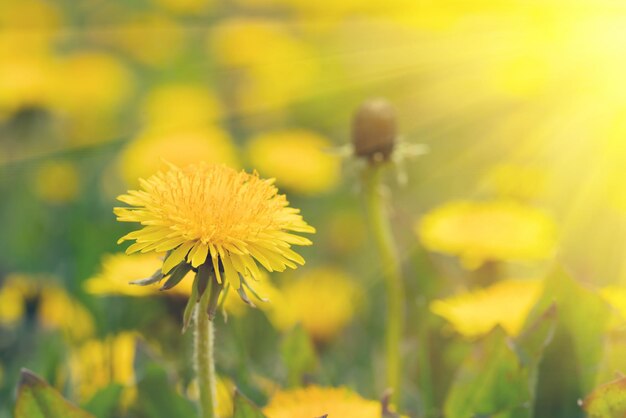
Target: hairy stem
<point x="204" y="358"/>
<point x="392" y="274"/>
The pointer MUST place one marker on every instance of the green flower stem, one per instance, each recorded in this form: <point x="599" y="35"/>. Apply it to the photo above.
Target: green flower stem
<point x="204" y="356"/>
<point x="392" y="274"/>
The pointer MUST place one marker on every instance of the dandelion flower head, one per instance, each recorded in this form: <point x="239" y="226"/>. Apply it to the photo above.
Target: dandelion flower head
<point x="213" y="212"/>
<point x="315" y="401"/>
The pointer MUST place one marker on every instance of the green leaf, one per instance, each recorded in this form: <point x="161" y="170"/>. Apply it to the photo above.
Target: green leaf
<point x="299" y="354"/>
<point x="498" y="378"/>
<point x="583" y="320"/>
<point x="607" y="401"/>
<point x="104" y="403"/>
<point x="245" y="408"/>
<point x="157" y="397"/>
<point x="37" y="399"/>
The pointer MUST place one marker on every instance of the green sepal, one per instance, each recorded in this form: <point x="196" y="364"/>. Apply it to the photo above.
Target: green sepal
<point x="191" y="303"/>
<point x="156" y="277"/>
<point x="178" y="274"/>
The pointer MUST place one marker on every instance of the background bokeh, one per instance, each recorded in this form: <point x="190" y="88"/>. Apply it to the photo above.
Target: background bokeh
<point x="521" y="103"/>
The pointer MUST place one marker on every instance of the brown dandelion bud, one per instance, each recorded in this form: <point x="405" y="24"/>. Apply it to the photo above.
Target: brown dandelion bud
<point x="374" y="130"/>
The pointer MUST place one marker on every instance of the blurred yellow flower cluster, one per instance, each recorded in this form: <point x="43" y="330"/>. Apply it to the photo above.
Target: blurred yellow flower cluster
<point x="272" y="66"/>
<point x="56" y="309"/>
<point x="182" y="134"/>
<point x="97" y="363"/>
<point x="323" y="300"/>
<point x="499" y="230"/>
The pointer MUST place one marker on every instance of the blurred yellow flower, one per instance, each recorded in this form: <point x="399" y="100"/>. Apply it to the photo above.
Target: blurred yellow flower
<point x="204" y="212"/>
<point x="57" y="181"/>
<point x="58" y="311"/>
<point x="92" y="82"/>
<point x="179" y="106"/>
<point x="98" y="363"/>
<point x="29" y="24"/>
<point x="275" y="68"/>
<point x="298" y="159"/>
<point x="12" y="304"/>
<point x="146" y="154"/>
<point x="506" y="303"/>
<point x="117" y="270"/>
<point x="315" y="401"/>
<point x="323" y="300"/>
<point x="26" y="79"/>
<point x="263" y="287"/>
<point x="499" y="230"/>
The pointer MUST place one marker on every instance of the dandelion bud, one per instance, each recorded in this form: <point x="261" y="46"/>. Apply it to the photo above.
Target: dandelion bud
<point x="374" y="130"/>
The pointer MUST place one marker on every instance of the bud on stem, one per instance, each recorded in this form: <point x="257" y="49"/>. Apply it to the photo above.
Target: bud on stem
<point x="374" y="130"/>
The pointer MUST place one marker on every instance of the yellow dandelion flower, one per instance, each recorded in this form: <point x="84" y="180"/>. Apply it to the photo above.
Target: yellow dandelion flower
<point x="59" y="311"/>
<point x="195" y="107"/>
<point x="145" y="154"/>
<point x="315" y="401"/>
<point x="57" y="181"/>
<point x="323" y="301"/>
<point x="98" y="363"/>
<point x="506" y="303"/>
<point x="213" y="212"/>
<point x="482" y="231"/>
<point x="297" y="158"/>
